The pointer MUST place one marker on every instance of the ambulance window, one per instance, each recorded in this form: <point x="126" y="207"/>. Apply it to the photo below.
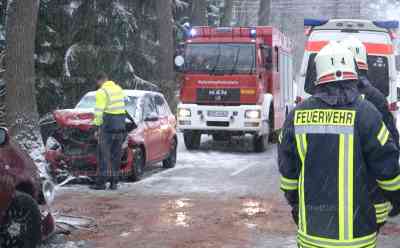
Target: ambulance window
<point x="311" y="75"/>
<point x="378" y="73"/>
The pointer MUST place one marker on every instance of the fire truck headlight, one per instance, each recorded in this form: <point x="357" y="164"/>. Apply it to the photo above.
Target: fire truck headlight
<point x="182" y="113"/>
<point x="252" y="114"/>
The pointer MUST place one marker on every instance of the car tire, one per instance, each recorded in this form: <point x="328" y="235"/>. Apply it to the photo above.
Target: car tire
<point x="22" y="227"/>
<point x="260" y="143"/>
<point x="170" y="161"/>
<point x="137" y="165"/>
<point x="192" y="140"/>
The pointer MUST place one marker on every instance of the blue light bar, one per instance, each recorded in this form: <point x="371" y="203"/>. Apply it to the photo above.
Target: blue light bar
<point x="193" y="32"/>
<point x="314" y="22"/>
<point x="387" y="24"/>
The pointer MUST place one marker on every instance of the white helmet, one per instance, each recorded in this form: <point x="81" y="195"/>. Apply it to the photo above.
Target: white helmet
<point x="359" y="51"/>
<point x="335" y="63"/>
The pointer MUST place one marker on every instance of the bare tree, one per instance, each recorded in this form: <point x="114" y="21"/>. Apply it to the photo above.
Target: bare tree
<point x="165" y="30"/>
<point x="264" y="12"/>
<point x="227" y="15"/>
<point x="199" y="13"/>
<point x="21" y="22"/>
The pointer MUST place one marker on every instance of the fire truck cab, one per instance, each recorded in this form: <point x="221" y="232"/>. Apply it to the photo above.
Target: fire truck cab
<point x="377" y="36"/>
<point x="236" y="81"/>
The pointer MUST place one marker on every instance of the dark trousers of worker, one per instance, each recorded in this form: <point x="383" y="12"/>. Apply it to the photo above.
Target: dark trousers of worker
<point x="109" y="156"/>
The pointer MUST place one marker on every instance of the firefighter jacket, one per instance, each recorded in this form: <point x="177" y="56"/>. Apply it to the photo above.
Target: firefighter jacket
<point x="330" y="146"/>
<point x="373" y="95"/>
<point x="110" y="107"/>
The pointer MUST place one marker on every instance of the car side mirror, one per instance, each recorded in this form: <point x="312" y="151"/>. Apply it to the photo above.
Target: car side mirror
<point x="3" y="136"/>
<point x="152" y="117"/>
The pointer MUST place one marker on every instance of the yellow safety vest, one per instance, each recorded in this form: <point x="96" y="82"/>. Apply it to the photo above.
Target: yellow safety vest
<point x="109" y="100"/>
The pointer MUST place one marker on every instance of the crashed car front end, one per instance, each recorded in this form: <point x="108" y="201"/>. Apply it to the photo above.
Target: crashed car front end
<point x="71" y="149"/>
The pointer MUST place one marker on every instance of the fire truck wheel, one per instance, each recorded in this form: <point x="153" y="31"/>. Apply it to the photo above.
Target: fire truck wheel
<point x="137" y="166"/>
<point x="192" y="140"/>
<point x="171" y="160"/>
<point x="260" y="143"/>
<point x="22" y="227"/>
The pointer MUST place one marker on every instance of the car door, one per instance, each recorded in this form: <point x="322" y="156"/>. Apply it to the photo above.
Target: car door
<point x="165" y="127"/>
<point x="152" y="134"/>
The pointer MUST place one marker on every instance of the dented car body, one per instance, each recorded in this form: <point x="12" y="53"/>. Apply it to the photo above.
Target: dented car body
<point x="71" y="146"/>
<point x="20" y="182"/>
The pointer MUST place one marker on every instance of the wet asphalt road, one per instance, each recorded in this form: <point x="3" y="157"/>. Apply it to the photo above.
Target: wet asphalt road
<point x="219" y="170"/>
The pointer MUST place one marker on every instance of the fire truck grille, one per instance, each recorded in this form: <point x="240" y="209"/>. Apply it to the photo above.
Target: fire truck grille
<point x="218" y="95"/>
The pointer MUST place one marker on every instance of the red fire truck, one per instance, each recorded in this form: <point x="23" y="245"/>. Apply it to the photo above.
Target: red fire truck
<point x="236" y="81"/>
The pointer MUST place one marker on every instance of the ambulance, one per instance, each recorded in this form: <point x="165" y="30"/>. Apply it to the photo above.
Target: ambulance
<point x="378" y="37"/>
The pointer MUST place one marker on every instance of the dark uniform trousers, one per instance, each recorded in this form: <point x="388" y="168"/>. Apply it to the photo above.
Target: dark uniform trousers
<point x="111" y="138"/>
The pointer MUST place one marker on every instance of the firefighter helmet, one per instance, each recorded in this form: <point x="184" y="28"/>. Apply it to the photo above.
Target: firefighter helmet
<point x="334" y="63"/>
<point x="359" y="51"/>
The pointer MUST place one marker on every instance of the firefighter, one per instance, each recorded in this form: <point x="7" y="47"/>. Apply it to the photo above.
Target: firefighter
<point x="373" y="95"/>
<point x="110" y="117"/>
<point x="330" y="146"/>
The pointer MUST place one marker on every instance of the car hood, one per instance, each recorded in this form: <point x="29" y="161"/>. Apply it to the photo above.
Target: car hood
<point x="75" y="118"/>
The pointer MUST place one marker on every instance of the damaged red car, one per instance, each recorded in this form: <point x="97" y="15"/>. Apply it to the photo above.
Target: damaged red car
<point x="25" y="219"/>
<point x="71" y="145"/>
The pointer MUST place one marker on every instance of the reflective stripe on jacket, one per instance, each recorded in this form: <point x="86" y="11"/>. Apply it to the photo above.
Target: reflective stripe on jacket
<point x="328" y="155"/>
<point x="109" y="100"/>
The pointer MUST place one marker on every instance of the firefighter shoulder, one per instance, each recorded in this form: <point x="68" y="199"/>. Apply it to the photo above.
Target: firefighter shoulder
<point x="327" y="153"/>
<point x="371" y="93"/>
<point x="110" y="107"/>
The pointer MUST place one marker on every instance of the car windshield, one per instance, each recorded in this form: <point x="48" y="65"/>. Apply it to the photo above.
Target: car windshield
<point x="220" y="58"/>
<point x="378" y="73"/>
<point x="89" y="102"/>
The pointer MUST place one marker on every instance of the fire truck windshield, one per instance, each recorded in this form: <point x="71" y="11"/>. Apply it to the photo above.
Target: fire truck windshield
<point x="221" y="58"/>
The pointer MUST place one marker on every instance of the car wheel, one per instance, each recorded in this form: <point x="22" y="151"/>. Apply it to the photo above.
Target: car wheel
<point x="192" y="140"/>
<point x="260" y="142"/>
<point x="22" y="227"/>
<point x="170" y="162"/>
<point x="138" y="165"/>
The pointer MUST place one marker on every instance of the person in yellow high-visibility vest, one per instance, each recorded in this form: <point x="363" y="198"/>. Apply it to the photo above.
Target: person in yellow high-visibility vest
<point x="110" y="115"/>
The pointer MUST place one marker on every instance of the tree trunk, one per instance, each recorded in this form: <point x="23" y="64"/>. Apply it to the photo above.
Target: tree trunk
<point x="227" y="15"/>
<point x="264" y="13"/>
<point x="165" y="30"/>
<point x="22" y="116"/>
<point x="199" y="13"/>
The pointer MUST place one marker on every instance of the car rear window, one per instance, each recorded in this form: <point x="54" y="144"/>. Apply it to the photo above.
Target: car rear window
<point x="378" y="74"/>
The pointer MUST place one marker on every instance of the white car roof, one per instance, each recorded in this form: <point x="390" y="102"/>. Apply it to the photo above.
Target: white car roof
<point x="137" y="93"/>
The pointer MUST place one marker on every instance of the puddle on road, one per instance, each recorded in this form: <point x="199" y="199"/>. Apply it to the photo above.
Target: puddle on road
<point x="252" y="208"/>
<point x="175" y="212"/>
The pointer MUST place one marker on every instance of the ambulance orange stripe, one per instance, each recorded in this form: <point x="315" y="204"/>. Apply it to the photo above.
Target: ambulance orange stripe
<point x="372" y="48"/>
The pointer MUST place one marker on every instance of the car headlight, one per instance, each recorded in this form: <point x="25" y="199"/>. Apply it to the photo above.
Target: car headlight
<point x="182" y="112"/>
<point x="48" y="190"/>
<point x="252" y="114"/>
